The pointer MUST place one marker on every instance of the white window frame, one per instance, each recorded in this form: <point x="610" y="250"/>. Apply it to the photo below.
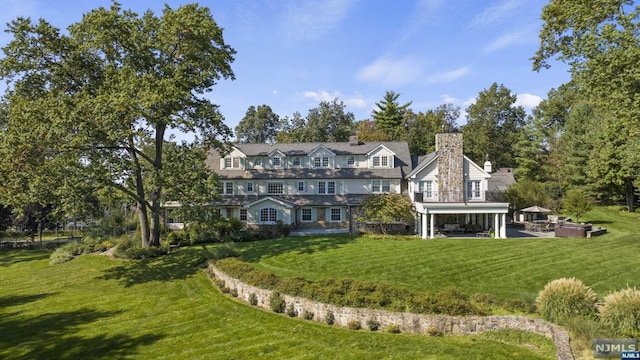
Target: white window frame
<point x="427" y="188"/>
<point x="232" y="163"/>
<point x="474" y="189"/>
<point x="301" y="186"/>
<point x="268" y="215"/>
<point x="306" y="215"/>
<point x="333" y="212"/>
<point x="351" y="160"/>
<point x="250" y="187"/>
<point x="385" y="186"/>
<point x="274" y="186"/>
<point x="327" y="187"/>
<point x="296" y="161"/>
<point x="276" y="161"/>
<point x="376" y="161"/>
<point x="322" y="187"/>
<point x="384" y="161"/>
<point x="227" y="188"/>
<point x="257" y="161"/>
<point x="243" y="215"/>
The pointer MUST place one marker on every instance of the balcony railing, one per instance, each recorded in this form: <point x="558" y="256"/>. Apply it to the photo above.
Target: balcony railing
<point x="457" y="196"/>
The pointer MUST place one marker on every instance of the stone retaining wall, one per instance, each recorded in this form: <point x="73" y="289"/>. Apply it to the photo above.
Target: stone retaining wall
<point x="406" y="322"/>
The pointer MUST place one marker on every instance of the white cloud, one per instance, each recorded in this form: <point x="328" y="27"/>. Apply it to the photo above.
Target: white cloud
<point x="353" y="101"/>
<point x="310" y="19"/>
<point x="448" y="76"/>
<point x="321" y="96"/>
<point x="390" y="72"/>
<point x="495" y="14"/>
<point x="528" y="101"/>
<point x="448" y="99"/>
<point x="275" y="92"/>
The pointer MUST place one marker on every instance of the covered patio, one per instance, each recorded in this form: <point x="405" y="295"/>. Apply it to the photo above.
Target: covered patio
<point x="461" y="218"/>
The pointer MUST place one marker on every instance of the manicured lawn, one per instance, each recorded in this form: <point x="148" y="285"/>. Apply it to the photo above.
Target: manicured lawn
<point x="509" y="268"/>
<point x="96" y="308"/>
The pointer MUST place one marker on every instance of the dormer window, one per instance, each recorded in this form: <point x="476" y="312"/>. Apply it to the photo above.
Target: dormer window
<point x="321" y="161"/>
<point x="276" y="161"/>
<point x="380" y="161"/>
<point x="257" y="161"/>
<point x="232" y="163"/>
<point x="296" y="161"/>
<point x="351" y="160"/>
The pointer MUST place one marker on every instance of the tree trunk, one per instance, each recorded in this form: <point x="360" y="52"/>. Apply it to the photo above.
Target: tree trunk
<point x="144" y="224"/>
<point x="630" y="196"/>
<point x="140" y="198"/>
<point x="156" y="198"/>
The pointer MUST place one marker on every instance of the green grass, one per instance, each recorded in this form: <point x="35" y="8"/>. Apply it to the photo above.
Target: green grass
<point x="97" y="308"/>
<point x="508" y="268"/>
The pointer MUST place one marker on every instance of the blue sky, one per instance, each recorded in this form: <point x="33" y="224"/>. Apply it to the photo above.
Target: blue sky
<point x="292" y="54"/>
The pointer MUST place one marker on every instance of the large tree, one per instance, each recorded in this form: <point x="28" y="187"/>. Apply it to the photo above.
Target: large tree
<point x="329" y="122"/>
<point x="423" y="127"/>
<point x="80" y="107"/>
<point x="493" y="122"/>
<point x="259" y="125"/>
<point x="389" y="115"/>
<point x="600" y="41"/>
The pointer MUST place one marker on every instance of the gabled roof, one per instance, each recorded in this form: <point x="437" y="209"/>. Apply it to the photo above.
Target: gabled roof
<point x="277" y="152"/>
<point x="378" y="147"/>
<point x="319" y="148"/>
<point x="423" y="162"/>
<point x="271" y="198"/>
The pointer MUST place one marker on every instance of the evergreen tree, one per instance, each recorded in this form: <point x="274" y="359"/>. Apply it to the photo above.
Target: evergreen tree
<point x="389" y="115"/>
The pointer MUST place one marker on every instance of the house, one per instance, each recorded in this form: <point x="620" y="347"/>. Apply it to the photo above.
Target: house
<point x="451" y="193"/>
<point x="318" y="185"/>
<point x="306" y="185"/>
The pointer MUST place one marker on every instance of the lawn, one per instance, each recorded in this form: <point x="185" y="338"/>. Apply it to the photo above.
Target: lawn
<point x="97" y="308"/>
<point x="508" y="268"/>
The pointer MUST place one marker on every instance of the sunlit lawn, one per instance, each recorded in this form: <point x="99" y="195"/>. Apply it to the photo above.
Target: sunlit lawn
<point x="97" y="308"/>
<point x="509" y="268"/>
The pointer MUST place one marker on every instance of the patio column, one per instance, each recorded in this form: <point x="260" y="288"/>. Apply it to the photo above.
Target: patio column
<point x="503" y="226"/>
<point x="423" y="225"/>
<point x="496" y="225"/>
<point x="431" y="222"/>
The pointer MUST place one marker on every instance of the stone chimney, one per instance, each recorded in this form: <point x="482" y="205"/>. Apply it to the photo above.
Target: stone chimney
<point x="450" y="167"/>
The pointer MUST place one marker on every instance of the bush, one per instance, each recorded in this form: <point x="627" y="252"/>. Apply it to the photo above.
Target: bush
<point x="434" y="331"/>
<point x="330" y="319"/>
<point x="307" y="315"/>
<point x="223" y="251"/>
<point x="60" y="256"/>
<point x="392" y="329"/>
<point x="354" y="325"/>
<point x="277" y="303"/>
<point x="291" y="311"/>
<point x="141" y="253"/>
<point x="565" y="298"/>
<point x="373" y="324"/>
<point x="621" y="312"/>
<point x="253" y="299"/>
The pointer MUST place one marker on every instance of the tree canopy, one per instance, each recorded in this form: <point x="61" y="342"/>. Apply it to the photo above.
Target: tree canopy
<point x="389" y="115"/>
<point x="259" y="125"/>
<point x="329" y="122"/>
<point x="91" y="109"/>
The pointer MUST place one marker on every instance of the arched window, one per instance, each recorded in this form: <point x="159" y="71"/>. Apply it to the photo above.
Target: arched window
<point x="268" y="215"/>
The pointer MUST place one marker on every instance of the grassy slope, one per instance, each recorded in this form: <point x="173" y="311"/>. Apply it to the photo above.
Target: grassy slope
<point x="508" y="268"/>
<point x="97" y="308"/>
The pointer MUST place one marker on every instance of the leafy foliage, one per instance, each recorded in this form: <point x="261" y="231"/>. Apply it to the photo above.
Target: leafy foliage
<point x="90" y="109"/>
<point x="386" y="209"/>
<point x="577" y="202"/>
<point x="389" y="116"/>
<point x="329" y="122"/>
<point x="259" y="125"/>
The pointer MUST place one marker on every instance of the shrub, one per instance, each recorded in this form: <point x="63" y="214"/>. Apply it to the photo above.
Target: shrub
<point x="141" y="253"/>
<point x="291" y="311"/>
<point x="354" y="325"/>
<point x="392" y="329"/>
<point x="60" y="256"/>
<point x="277" y="303"/>
<point x="373" y="324"/>
<point x="307" y="315"/>
<point x="330" y="319"/>
<point x="253" y="299"/>
<point x="565" y="298"/>
<point x="223" y="251"/>
<point x="434" y="331"/>
<point x="621" y="312"/>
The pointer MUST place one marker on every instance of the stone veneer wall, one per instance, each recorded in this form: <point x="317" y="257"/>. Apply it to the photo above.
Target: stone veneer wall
<point x="407" y="322"/>
<point x="450" y="167"/>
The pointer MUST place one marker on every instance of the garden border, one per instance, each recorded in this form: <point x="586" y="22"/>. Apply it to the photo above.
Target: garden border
<point x="406" y="322"/>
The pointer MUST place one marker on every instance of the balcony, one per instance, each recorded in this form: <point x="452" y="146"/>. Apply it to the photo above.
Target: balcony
<point x="457" y="196"/>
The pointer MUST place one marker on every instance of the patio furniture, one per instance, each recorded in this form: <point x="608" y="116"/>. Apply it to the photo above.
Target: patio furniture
<point x="485" y="233"/>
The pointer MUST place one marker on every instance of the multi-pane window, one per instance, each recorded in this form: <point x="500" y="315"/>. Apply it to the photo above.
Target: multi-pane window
<point x="268" y="215"/>
<point x="232" y="163"/>
<point x="321" y="161"/>
<point x="257" y="161"/>
<point x="249" y="187"/>
<point x="427" y="188"/>
<point x="296" y="161"/>
<point x="380" y="161"/>
<point x="243" y="214"/>
<point x="380" y="186"/>
<point x="301" y="186"/>
<point x="227" y="188"/>
<point x="384" y="161"/>
<point x="276" y="161"/>
<point x="306" y="214"/>
<point x="326" y="187"/>
<point x="275" y="188"/>
<point x="336" y="214"/>
<point x="376" y="161"/>
<point x="351" y="160"/>
<point x="473" y="189"/>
